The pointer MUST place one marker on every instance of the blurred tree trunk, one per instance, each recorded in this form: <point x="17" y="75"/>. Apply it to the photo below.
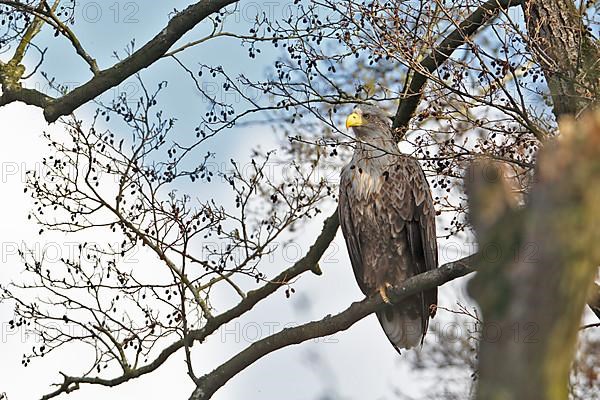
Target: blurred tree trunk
<point x="534" y="283"/>
<point x="538" y="263"/>
<point x="567" y="53"/>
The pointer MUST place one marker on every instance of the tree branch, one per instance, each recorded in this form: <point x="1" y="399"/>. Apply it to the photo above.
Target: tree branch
<point x="74" y="41"/>
<point x="560" y="44"/>
<point x="211" y="382"/>
<point x="103" y="80"/>
<point x="413" y="92"/>
<point x="142" y="58"/>
<point x="27" y="96"/>
<point x="307" y="263"/>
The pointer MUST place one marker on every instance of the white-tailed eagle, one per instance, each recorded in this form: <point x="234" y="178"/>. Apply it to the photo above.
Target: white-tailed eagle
<point x="388" y="220"/>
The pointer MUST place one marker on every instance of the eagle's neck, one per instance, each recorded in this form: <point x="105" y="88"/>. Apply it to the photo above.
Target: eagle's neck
<point x="376" y="155"/>
<point x="370" y="164"/>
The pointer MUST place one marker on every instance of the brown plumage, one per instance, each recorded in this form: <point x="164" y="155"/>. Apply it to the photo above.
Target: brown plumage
<point x="388" y="220"/>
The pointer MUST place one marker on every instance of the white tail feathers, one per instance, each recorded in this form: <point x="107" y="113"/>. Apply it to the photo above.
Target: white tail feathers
<point x="403" y="331"/>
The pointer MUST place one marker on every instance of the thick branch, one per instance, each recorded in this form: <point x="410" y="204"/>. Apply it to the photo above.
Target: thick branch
<point x="142" y="58"/>
<point x="414" y="90"/>
<point x="211" y="382"/>
<point x="111" y="77"/>
<point x="27" y="96"/>
<point x="568" y="55"/>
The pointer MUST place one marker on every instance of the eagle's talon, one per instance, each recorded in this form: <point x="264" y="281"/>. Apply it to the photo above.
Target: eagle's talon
<point x="383" y="293"/>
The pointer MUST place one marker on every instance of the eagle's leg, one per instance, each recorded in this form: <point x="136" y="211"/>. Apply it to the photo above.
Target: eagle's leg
<point x="383" y="292"/>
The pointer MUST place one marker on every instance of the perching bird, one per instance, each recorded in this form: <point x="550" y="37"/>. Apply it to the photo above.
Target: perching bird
<point x="388" y="220"/>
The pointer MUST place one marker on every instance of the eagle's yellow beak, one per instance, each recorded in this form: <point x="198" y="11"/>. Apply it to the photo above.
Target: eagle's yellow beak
<point x="353" y="120"/>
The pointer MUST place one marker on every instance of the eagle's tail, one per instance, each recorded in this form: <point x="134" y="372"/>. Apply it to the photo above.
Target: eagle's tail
<point x="403" y="327"/>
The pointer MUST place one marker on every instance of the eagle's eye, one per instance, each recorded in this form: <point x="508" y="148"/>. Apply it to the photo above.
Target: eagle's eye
<point x="366" y="116"/>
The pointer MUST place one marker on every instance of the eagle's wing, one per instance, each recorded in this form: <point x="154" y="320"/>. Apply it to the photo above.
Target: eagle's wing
<point x="351" y="235"/>
<point x="407" y="200"/>
<point x="422" y="235"/>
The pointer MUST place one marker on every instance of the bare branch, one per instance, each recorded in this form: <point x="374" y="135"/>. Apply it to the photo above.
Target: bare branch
<point x="64" y="28"/>
<point x="142" y="58"/>
<point x="459" y="36"/>
<point x="211" y="382"/>
<point x="103" y="80"/>
<point x="308" y="263"/>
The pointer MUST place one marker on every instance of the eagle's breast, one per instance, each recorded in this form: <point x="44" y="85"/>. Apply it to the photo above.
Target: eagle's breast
<point x="367" y="176"/>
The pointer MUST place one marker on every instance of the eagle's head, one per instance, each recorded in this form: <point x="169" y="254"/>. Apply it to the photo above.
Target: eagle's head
<point x="370" y="124"/>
